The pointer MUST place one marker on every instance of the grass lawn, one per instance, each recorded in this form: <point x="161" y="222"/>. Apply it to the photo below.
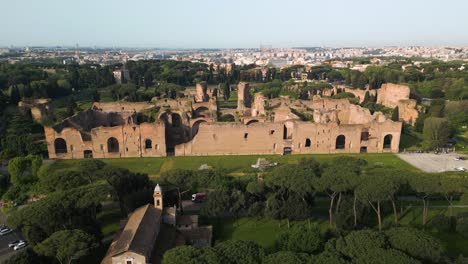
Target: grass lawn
<point x="110" y="221"/>
<point x="262" y="231"/>
<point x="232" y="164"/>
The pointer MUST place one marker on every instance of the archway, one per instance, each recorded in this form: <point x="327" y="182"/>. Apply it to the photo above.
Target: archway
<point x="60" y="146"/>
<point x="387" y="142"/>
<point x="200" y="111"/>
<point x="307" y="143"/>
<point x="340" y="142"/>
<point x="112" y="145"/>
<point x="252" y="121"/>
<point x="195" y="127"/>
<point x="227" y="118"/>
<point x="88" y="154"/>
<point x="148" y="144"/>
<point x="176" y="120"/>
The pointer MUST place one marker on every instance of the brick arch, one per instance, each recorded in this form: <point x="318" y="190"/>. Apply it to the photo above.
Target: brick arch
<point x="113" y="145"/>
<point x="196" y="125"/>
<point x="200" y="110"/>
<point x="340" y="142"/>
<point x="387" y="143"/>
<point x="148" y="143"/>
<point x="252" y="121"/>
<point x="60" y="146"/>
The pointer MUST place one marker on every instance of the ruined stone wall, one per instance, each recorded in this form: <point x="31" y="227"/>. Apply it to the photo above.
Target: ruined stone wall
<point x="39" y="108"/>
<point x="258" y="107"/>
<point x="360" y="94"/>
<point x="407" y="111"/>
<point x="131" y="140"/>
<point x="230" y="139"/>
<point x="243" y="96"/>
<point x="328" y="104"/>
<point x="323" y="137"/>
<point x="122" y="107"/>
<point x="234" y="139"/>
<point x="389" y="94"/>
<point x="200" y="92"/>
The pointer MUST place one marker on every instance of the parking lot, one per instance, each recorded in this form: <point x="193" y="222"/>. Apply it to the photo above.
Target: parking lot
<point x="5" y="251"/>
<point x="430" y="162"/>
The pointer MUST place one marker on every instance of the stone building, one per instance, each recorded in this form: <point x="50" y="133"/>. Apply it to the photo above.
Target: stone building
<point x="187" y="126"/>
<point x="39" y="108"/>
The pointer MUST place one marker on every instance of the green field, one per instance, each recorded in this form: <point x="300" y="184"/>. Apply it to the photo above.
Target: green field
<point x="235" y="165"/>
<point x="263" y="231"/>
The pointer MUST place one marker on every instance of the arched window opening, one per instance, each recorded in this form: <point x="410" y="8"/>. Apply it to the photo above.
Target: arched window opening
<point x="176" y="120"/>
<point x="340" y="142"/>
<point x="252" y="121"/>
<point x="112" y="145"/>
<point x="60" y="146"/>
<point x="387" y="142"/>
<point x="365" y="134"/>
<point x="88" y="154"/>
<point x="307" y="143"/>
<point x="148" y="144"/>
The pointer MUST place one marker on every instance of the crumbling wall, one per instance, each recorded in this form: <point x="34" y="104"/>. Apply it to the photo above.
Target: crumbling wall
<point x="200" y="92"/>
<point x="39" y="108"/>
<point x="407" y="111"/>
<point x="268" y="138"/>
<point x="234" y="139"/>
<point x="131" y="140"/>
<point x="389" y="94"/>
<point x="244" y="99"/>
<point x="258" y="107"/>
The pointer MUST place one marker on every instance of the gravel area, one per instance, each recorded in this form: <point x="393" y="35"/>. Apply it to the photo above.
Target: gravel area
<point x="430" y="162"/>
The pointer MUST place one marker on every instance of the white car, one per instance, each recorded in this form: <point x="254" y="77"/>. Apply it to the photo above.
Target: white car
<point x="460" y="169"/>
<point x="14" y="243"/>
<point x="20" y="245"/>
<point x="5" y="231"/>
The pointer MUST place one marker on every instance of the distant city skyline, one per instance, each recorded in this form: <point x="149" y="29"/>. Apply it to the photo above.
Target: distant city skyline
<point x="234" y="24"/>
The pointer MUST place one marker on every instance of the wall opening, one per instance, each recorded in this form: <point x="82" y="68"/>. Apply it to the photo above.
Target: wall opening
<point x="340" y="142"/>
<point x="363" y="150"/>
<point x="176" y="120"/>
<point x="307" y="143"/>
<point x="252" y="121"/>
<point x="60" y="146"/>
<point x="387" y="142"/>
<point x="88" y="154"/>
<point x="148" y="144"/>
<point x="227" y="118"/>
<point x="287" y="151"/>
<point x="112" y="145"/>
<point x="365" y="134"/>
<point x="246" y="135"/>
<point x="272" y="132"/>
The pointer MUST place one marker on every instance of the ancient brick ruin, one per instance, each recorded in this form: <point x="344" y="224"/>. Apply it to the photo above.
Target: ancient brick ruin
<point x="195" y="125"/>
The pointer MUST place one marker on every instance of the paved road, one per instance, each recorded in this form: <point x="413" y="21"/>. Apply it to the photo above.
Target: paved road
<point x="5" y="251"/>
<point x="430" y="162"/>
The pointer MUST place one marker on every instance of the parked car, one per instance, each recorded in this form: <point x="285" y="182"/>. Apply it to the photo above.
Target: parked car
<point x="14" y="243"/>
<point x="20" y="245"/>
<point x="198" y="197"/>
<point x="459" y="158"/>
<point x="460" y="169"/>
<point x="5" y="231"/>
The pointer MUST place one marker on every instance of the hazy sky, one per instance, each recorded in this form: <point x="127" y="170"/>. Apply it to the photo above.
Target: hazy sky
<point x="233" y="23"/>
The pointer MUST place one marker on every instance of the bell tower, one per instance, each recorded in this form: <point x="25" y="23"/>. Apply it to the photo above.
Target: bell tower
<point x="158" y="197"/>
